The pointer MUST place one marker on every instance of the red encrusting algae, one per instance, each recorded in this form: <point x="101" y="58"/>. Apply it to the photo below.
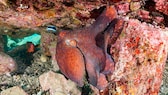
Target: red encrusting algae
<point x="140" y="54"/>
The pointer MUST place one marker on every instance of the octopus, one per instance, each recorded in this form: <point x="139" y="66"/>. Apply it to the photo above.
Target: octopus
<point x="7" y="64"/>
<point x="82" y="54"/>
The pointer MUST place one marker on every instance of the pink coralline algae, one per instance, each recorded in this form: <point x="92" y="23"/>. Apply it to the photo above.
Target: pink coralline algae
<point x="123" y="8"/>
<point x="7" y="64"/>
<point x="162" y="6"/>
<point x="144" y="14"/>
<point x="140" y="54"/>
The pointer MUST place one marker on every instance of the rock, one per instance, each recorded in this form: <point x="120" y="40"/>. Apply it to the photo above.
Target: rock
<point x="162" y="6"/>
<point x="123" y="8"/>
<point x="14" y="91"/>
<point x="1" y="43"/>
<point x="43" y="58"/>
<point x="140" y="54"/>
<point x="135" y="6"/>
<point x="4" y="2"/>
<point x="48" y="46"/>
<point x="57" y="84"/>
<point x="48" y="40"/>
<point x="143" y="14"/>
<point x="7" y="64"/>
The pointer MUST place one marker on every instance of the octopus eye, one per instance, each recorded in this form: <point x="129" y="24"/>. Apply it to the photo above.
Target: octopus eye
<point x="71" y="43"/>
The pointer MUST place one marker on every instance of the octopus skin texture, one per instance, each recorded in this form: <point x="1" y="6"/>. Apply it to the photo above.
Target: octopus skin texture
<point x="82" y="54"/>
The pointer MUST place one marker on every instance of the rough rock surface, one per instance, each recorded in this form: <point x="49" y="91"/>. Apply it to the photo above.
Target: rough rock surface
<point x="7" y="64"/>
<point x="14" y="91"/>
<point x="57" y="84"/>
<point x="162" y="6"/>
<point x="140" y="54"/>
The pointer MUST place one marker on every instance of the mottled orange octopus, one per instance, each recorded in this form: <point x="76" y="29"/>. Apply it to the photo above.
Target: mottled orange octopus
<point x="82" y="54"/>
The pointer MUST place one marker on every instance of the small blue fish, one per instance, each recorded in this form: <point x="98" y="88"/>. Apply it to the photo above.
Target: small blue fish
<point x="51" y="28"/>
